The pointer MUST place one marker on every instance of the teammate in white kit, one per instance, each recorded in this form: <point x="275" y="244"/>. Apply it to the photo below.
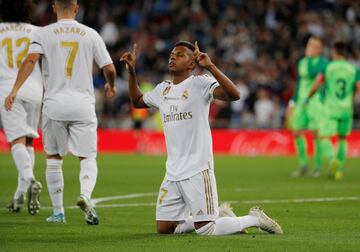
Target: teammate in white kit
<point x="67" y="50"/>
<point x="21" y="123"/>
<point x="189" y="185"/>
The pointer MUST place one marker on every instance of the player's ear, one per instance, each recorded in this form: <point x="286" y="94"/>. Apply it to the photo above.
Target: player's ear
<point x="192" y="65"/>
<point x="77" y="7"/>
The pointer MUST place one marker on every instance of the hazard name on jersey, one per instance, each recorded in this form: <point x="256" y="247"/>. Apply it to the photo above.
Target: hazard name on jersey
<point x="69" y="30"/>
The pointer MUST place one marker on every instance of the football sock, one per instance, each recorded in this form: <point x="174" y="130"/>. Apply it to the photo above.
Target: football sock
<point x="31" y="152"/>
<point x="318" y="154"/>
<point x="186" y="226"/>
<point x="341" y="154"/>
<point x="327" y="149"/>
<point x="300" y="143"/>
<point x="55" y="184"/>
<point x="88" y="175"/>
<point x="22" y="187"/>
<point x="22" y="161"/>
<point x="228" y="225"/>
<point x="22" y="184"/>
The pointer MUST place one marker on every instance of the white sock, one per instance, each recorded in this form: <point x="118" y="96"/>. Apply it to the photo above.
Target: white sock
<point x="186" y="226"/>
<point x="228" y="225"/>
<point x="88" y="175"/>
<point x="31" y="152"/>
<point x="22" y="161"/>
<point x="55" y="184"/>
<point x="22" y="187"/>
<point x="22" y="184"/>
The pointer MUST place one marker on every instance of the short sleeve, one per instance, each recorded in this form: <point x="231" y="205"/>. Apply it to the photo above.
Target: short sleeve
<point x="36" y="45"/>
<point x="153" y="97"/>
<point x="208" y="85"/>
<point x="101" y="54"/>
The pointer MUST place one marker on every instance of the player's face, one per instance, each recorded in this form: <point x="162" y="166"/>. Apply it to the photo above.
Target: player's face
<point x="181" y="59"/>
<point x="313" y="48"/>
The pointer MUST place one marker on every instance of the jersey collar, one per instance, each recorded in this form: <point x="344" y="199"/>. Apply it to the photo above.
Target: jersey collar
<point x="65" y="20"/>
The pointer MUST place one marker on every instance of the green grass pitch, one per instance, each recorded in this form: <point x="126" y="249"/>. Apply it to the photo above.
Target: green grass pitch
<point x="315" y="214"/>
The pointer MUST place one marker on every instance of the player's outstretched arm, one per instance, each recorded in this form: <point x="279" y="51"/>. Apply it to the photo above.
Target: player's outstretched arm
<point x="25" y="70"/>
<point x="136" y="96"/>
<point x="227" y="90"/>
<point x="110" y="76"/>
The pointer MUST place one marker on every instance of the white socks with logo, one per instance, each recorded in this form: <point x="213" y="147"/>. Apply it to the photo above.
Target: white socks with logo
<point x="88" y="175"/>
<point x="55" y="184"/>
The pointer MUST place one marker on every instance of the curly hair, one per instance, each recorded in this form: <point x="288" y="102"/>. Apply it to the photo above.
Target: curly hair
<point x="16" y="10"/>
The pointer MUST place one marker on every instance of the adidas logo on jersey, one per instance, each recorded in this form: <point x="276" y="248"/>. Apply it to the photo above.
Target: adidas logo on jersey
<point x="200" y="212"/>
<point x="166" y="90"/>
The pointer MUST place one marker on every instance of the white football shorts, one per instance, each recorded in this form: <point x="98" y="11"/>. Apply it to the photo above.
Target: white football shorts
<point x="21" y="121"/>
<point x="78" y="137"/>
<point x="196" y="195"/>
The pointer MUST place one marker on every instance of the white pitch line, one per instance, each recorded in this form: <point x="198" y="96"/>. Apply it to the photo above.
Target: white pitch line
<point x="309" y="200"/>
<point x="127" y="196"/>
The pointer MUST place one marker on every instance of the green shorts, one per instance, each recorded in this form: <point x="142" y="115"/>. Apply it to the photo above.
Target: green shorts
<point x="332" y="126"/>
<point x="305" y="117"/>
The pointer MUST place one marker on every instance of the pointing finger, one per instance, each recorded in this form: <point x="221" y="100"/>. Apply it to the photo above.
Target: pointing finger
<point x="197" y="47"/>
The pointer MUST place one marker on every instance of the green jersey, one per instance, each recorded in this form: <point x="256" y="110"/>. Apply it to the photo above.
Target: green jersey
<point x="340" y="82"/>
<point x="308" y="69"/>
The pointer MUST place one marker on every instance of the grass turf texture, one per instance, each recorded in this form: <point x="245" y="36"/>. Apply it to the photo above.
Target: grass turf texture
<point x="308" y="226"/>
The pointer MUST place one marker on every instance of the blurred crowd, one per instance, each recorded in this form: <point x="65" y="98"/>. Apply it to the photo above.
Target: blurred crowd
<point x="257" y="43"/>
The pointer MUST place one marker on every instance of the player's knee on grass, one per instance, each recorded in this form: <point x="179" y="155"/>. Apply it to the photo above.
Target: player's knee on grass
<point x="165" y="227"/>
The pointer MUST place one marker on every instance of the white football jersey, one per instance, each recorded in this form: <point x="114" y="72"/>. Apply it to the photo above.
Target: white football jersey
<point x="184" y="109"/>
<point x="68" y="51"/>
<point x="14" y="46"/>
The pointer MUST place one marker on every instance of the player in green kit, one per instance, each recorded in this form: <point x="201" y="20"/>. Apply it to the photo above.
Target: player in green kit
<point x="307" y="117"/>
<point x="340" y="78"/>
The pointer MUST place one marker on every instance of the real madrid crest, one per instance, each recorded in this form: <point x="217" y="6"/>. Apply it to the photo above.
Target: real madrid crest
<point x="185" y="95"/>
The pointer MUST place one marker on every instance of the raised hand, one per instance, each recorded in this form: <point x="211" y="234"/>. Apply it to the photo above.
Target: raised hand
<point x="130" y="59"/>
<point x="201" y="58"/>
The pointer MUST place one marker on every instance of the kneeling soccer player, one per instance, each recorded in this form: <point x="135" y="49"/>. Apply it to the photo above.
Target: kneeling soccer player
<point x="189" y="184"/>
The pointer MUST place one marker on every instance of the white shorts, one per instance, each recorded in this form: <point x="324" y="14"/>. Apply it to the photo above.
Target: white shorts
<point x="78" y="137"/>
<point x="21" y="121"/>
<point x="196" y="196"/>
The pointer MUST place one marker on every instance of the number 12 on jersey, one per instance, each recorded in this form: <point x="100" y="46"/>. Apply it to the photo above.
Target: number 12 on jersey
<point x="21" y="42"/>
<point x="72" y="52"/>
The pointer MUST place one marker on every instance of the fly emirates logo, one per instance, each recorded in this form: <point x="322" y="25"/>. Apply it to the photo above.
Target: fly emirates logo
<point x="176" y="116"/>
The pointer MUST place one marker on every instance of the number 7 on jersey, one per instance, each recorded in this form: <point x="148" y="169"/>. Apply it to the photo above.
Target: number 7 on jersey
<point x="74" y="47"/>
